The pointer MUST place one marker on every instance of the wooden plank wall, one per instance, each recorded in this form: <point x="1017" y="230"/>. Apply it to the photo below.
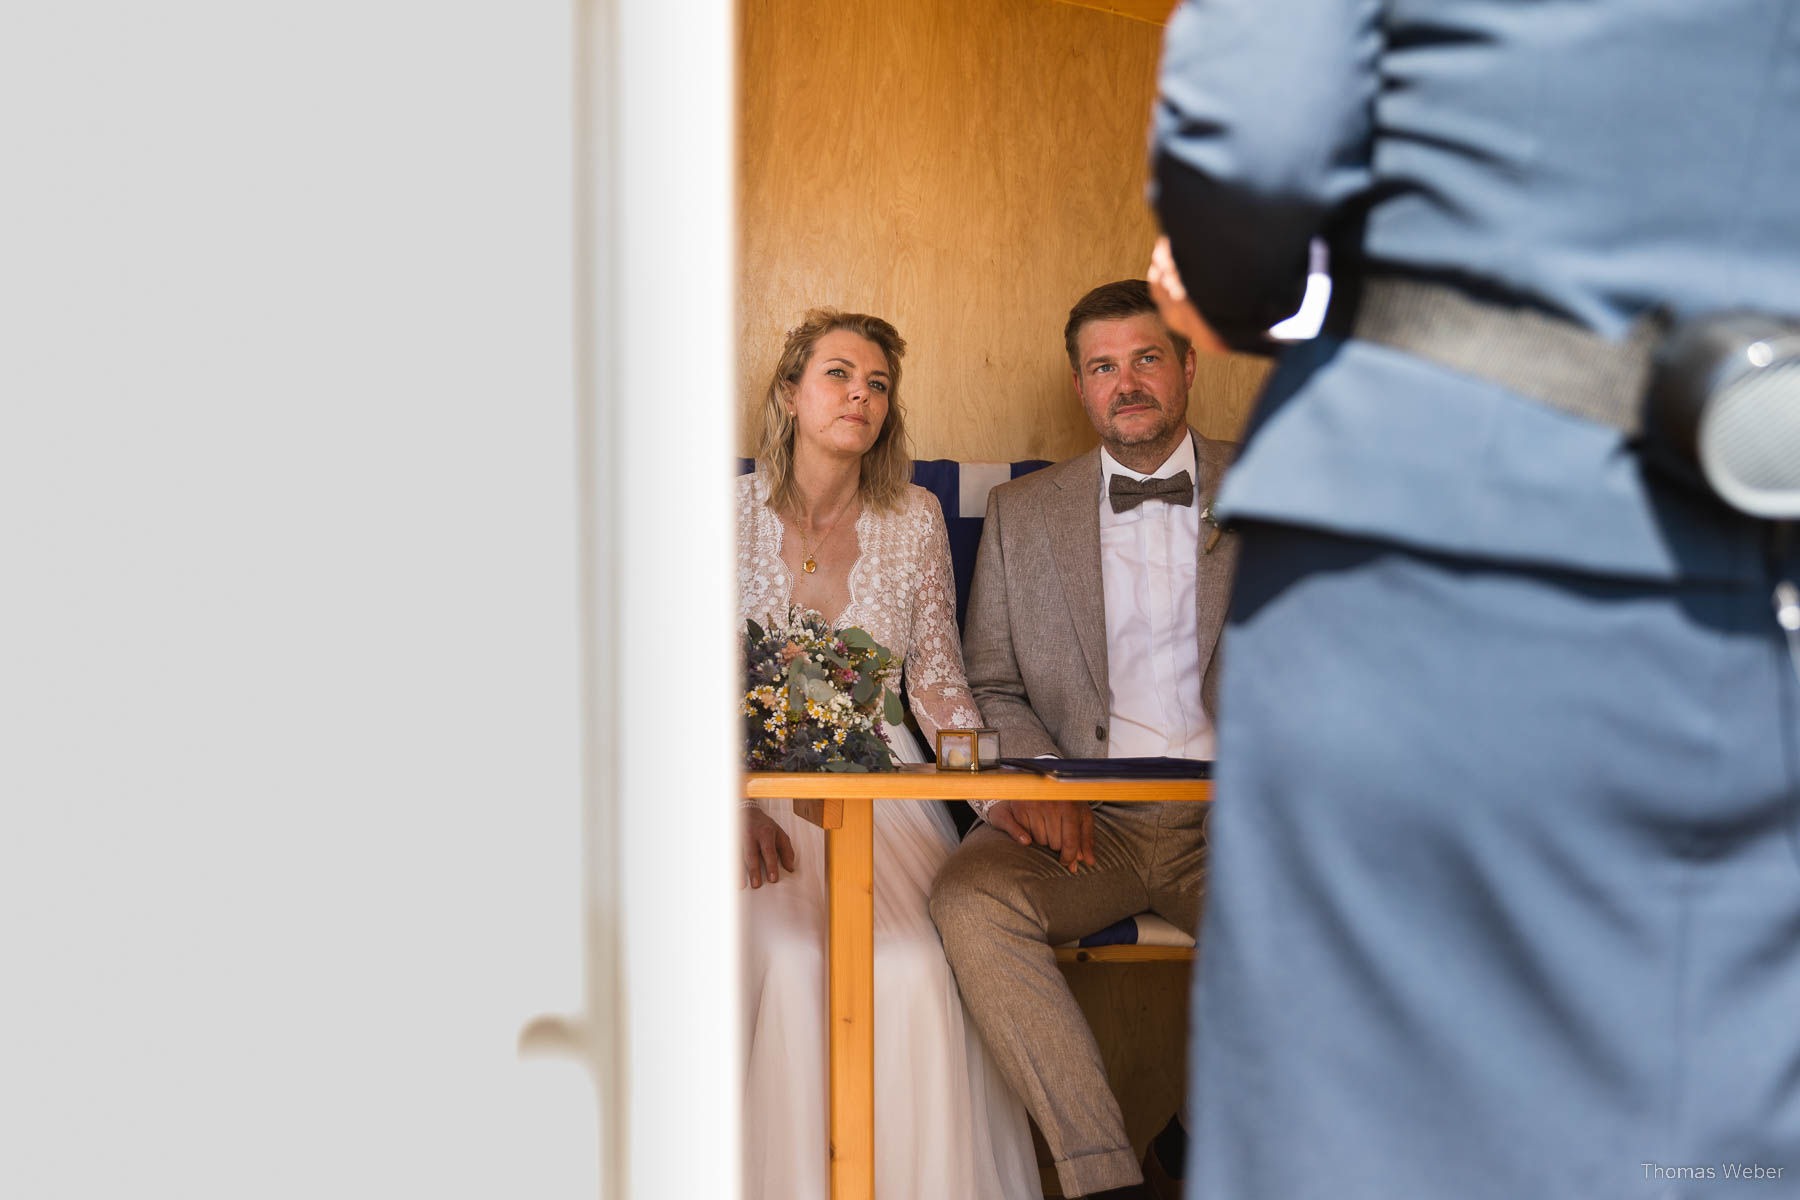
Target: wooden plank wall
<point x="967" y="169"/>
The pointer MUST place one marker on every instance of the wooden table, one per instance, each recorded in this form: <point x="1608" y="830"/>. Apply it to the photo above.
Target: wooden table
<point x="839" y="803"/>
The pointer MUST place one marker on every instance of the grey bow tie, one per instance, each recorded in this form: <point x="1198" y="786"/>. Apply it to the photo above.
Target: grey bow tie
<point x="1127" y="493"/>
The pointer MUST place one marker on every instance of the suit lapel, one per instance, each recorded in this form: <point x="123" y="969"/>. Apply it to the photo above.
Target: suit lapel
<point x="1212" y="572"/>
<point x="1072" y="523"/>
<point x="1071" y="517"/>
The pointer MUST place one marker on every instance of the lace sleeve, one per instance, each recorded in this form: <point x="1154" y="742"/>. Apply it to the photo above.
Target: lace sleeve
<point x="935" y="684"/>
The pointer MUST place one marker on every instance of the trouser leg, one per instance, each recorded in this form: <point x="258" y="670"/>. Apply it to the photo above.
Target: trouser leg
<point x="1000" y="908"/>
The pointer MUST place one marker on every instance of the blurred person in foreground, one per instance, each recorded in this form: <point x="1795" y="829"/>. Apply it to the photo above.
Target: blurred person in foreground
<point x="1505" y="889"/>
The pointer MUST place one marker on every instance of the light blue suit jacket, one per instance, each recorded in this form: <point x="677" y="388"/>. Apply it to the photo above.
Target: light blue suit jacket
<point x="1590" y="158"/>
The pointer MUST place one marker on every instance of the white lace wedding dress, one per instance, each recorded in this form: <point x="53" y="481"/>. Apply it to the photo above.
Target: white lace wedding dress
<point x="947" y="1126"/>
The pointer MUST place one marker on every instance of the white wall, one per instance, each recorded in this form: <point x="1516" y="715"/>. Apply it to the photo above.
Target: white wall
<point x="289" y="727"/>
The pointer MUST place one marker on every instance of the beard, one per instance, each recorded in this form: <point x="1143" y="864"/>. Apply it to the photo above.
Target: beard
<point x="1156" y="430"/>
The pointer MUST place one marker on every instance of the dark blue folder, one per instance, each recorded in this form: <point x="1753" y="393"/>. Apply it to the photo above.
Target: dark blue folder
<point x="1114" y="768"/>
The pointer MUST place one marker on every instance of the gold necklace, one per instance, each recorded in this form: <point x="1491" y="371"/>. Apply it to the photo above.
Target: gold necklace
<point x="809" y="564"/>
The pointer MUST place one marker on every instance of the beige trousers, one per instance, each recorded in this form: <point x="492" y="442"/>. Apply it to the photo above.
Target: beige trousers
<point x="1001" y="907"/>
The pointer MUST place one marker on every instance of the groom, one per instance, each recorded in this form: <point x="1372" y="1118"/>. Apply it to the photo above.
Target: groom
<point x="1094" y="617"/>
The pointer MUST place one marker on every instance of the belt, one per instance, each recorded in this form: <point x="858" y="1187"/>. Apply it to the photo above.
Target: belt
<point x="1546" y="358"/>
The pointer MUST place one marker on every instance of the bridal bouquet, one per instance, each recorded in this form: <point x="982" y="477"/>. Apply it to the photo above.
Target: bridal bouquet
<point x="815" y="696"/>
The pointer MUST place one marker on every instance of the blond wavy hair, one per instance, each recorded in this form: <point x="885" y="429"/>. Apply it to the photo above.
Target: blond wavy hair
<point x="887" y="467"/>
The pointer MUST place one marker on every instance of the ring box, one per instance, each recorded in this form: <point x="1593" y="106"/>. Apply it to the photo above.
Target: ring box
<point x="968" y="749"/>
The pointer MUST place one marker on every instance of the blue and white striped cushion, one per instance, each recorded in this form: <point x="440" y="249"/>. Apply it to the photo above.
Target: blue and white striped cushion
<point x="1145" y="929"/>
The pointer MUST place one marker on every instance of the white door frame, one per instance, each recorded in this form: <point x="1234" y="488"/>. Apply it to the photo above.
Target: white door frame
<point x="655" y="367"/>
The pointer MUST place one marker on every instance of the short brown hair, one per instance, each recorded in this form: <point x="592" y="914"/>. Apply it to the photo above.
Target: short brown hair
<point x="887" y="467"/>
<point x="1114" y="302"/>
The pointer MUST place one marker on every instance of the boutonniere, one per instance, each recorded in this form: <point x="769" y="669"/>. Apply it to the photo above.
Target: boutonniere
<point x="1218" y="531"/>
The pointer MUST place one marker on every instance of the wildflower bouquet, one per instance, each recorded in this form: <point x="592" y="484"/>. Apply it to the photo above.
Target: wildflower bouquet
<point x="814" y="697"/>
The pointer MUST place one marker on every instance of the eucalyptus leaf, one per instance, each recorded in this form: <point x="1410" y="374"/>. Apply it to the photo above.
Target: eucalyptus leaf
<point x="755" y="630"/>
<point x="820" y="692"/>
<point x="857" y="639"/>
<point x="863" y="691"/>
<point x="892" y="714"/>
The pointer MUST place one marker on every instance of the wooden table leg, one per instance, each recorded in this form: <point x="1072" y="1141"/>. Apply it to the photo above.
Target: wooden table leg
<point x="850" y="900"/>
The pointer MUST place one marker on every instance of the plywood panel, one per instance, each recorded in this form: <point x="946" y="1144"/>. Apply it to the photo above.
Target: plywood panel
<point x="966" y="170"/>
<point x="1154" y="11"/>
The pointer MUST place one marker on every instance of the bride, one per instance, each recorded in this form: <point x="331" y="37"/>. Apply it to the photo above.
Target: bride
<point x="829" y="522"/>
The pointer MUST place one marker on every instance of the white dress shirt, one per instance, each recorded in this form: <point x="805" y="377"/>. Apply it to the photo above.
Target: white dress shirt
<point x="1153" y="663"/>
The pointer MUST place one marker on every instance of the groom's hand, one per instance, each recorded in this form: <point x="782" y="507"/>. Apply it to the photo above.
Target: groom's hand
<point x="1065" y="826"/>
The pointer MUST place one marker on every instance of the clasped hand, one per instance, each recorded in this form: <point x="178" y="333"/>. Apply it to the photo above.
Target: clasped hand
<point x="1065" y="826"/>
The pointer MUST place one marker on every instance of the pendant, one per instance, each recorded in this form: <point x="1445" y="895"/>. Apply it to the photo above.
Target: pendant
<point x="808" y="565"/>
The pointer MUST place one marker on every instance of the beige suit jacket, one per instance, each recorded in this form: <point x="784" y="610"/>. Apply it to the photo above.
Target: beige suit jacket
<point x="1035" y="639"/>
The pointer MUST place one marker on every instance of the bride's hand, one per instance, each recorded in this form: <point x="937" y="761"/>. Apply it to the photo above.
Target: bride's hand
<point x="767" y="848"/>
